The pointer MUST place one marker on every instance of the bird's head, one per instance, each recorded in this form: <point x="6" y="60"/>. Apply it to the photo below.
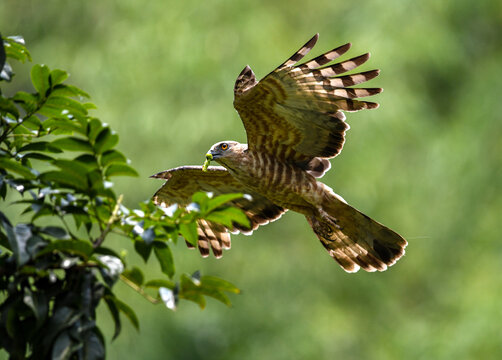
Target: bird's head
<point x="225" y="153"/>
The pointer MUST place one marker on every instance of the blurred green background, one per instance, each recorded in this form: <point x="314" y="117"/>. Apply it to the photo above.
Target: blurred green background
<point x="427" y="163"/>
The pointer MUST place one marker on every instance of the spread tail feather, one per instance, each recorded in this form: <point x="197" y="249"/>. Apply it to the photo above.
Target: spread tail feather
<point x="353" y="239"/>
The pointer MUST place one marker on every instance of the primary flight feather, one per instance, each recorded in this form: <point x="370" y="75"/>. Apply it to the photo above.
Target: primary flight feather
<point x="295" y="123"/>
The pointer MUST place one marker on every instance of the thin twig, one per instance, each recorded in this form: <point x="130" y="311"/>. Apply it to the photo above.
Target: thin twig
<point x="110" y="222"/>
<point x="139" y="290"/>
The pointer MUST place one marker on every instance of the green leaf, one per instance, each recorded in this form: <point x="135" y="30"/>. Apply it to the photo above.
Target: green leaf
<point x="65" y="179"/>
<point x="143" y="249"/>
<point x="88" y="160"/>
<point x="38" y="156"/>
<point x="228" y="216"/>
<point x="40" y="78"/>
<point x="112" y="156"/>
<point x="157" y="283"/>
<point x="16" y="167"/>
<point x="221" y="200"/>
<point x="72" y="167"/>
<point x="165" y="257"/>
<point x="69" y="90"/>
<point x="32" y="122"/>
<point x="217" y="283"/>
<point x="189" y="232"/>
<point x="55" y="231"/>
<point x="105" y="140"/>
<point x="114" y="311"/>
<point x="29" y="102"/>
<point x="94" y="127"/>
<point x="120" y="170"/>
<point x="128" y="312"/>
<point x="77" y="247"/>
<point x="14" y="48"/>
<point x="73" y="144"/>
<point x="58" y="76"/>
<point x="7" y="106"/>
<point x="40" y="146"/>
<point x="64" y="124"/>
<point x="57" y="106"/>
<point x="135" y="275"/>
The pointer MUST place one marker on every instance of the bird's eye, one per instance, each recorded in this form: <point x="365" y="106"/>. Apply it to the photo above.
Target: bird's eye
<point x="224" y="146"/>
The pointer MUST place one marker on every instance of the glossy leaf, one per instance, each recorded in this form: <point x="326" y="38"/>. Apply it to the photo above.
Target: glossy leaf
<point x="189" y="232"/>
<point x="16" y="167"/>
<point x="40" y="78"/>
<point x="58" y="76"/>
<point x="221" y="200"/>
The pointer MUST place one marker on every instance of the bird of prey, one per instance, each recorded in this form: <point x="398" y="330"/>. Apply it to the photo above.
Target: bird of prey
<point x="295" y="122"/>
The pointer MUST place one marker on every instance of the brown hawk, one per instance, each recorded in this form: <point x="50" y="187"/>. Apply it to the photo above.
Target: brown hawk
<point x="294" y="122"/>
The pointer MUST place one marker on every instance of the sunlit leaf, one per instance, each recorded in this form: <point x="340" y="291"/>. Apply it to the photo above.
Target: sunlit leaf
<point x="189" y="232"/>
<point x="228" y="216"/>
<point x="58" y="76"/>
<point x="58" y="106"/>
<point x="69" y="90"/>
<point x="221" y="200"/>
<point x="16" y="167"/>
<point x="40" y="78"/>
<point x="157" y="283"/>
<point x="63" y="123"/>
<point x="220" y="284"/>
<point x="118" y="169"/>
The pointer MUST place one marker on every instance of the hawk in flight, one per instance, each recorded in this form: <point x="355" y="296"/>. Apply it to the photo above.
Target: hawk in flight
<point x="295" y="122"/>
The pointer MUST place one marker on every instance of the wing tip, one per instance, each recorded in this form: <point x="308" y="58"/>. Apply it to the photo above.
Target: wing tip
<point x="162" y="175"/>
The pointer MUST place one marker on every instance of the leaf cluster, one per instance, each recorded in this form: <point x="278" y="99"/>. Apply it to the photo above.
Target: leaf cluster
<point x="57" y="163"/>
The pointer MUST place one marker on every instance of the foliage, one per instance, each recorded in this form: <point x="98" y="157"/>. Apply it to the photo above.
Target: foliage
<point x="57" y="162"/>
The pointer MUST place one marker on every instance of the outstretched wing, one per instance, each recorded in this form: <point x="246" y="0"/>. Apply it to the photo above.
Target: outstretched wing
<point x="182" y="182"/>
<point x="295" y="112"/>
